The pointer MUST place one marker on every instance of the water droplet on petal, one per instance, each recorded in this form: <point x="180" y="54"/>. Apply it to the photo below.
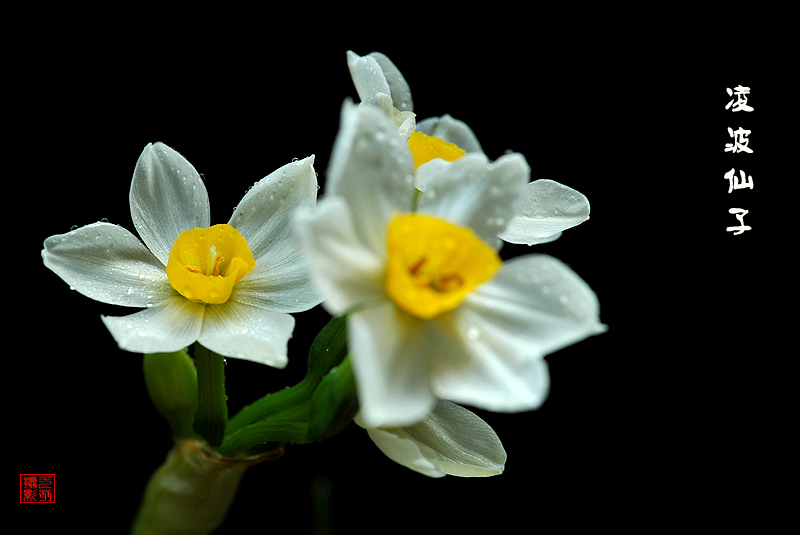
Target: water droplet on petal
<point x="473" y="332"/>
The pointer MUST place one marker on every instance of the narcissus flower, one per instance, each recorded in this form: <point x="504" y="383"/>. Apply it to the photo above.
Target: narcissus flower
<point x="450" y="441"/>
<point x="230" y="287"/>
<point x="433" y="313"/>
<point x="548" y="207"/>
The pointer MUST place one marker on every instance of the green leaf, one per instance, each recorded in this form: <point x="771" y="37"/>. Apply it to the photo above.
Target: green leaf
<point x="325" y="398"/>
<point x="334" y="403"/>
<point x="328" y="349"/>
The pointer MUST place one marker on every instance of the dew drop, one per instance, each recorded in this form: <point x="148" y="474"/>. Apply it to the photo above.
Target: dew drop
<point x="473" y="333"/>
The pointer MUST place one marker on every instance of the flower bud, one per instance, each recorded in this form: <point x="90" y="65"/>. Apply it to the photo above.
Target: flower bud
<point x="171" y="380"/>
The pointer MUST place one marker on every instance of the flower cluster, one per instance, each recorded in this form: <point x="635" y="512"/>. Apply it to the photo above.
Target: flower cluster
<point x="404" y="244"/>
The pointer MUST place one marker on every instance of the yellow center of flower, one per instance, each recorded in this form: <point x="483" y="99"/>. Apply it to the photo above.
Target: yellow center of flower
<point x="425" y="148"/>
<point x="205" y="263"/>
<point x="433" y="265"/>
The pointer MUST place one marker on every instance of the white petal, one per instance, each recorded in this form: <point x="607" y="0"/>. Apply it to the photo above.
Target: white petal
<point x="367" y="76"/>
<point x="109" y="264"/>
<point x="240" y="331"/>
<point x="398" y="87"/>
<point x="168" y="326"/>
<point x="371" y="167"/>
<point x="464" y="444"/>
<point x="548" y="209"/>
<point x="388" y="349"/>
<point x="484" y="374"/>
<point x="167" y="197"/>
<point x="450" y="440"/>
<point x="264" y="215"/>
<point x="346" y="272"/>
<point x="281" y="283"/>
<point x="534" y="306"/>
<point x="473" y="192"/>
<point x="452" y="131"/>
<point x="402" y="449"/>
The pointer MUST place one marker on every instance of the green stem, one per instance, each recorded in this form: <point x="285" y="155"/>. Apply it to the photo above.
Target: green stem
<point x="274" y="430"/>
<point x="212" y="411"/>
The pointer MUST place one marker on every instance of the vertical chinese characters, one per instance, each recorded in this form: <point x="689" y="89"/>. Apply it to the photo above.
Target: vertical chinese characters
<point x="37" y="488"/>
<point x="740" y="144"/>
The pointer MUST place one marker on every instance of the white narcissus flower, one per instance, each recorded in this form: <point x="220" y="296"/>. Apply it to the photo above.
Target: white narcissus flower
<point x="229" y="287"/>
<point x="433" y="313"/>
<point x="450" y="441"/>
<point x="548" y="207"/>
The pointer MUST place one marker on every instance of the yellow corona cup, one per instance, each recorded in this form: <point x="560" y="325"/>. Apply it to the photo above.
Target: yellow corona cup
<point x="425" y="148"/>
<point x="433" y="264"/>
<point x="205" y="263"/>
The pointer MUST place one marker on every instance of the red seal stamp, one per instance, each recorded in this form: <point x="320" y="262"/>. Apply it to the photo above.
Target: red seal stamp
<point x="37" y="488"/>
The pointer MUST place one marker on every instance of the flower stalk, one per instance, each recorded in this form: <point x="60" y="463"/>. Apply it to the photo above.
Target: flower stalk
<point x="212" y="411"/>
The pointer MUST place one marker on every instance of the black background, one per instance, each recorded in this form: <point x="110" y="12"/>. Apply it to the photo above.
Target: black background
<point x="666" y="419"/>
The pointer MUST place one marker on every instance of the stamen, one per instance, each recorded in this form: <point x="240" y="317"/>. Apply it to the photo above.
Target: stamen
<point x="214" y="260"/>
<point x="416" y="267"/>
<point x="448" y="283"/>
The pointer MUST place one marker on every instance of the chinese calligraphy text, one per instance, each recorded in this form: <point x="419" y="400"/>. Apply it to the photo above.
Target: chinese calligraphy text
<point x="740" y="144"/>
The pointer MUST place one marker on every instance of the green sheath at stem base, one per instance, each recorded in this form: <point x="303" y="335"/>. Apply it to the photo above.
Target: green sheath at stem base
<point x="190" y="493"/>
